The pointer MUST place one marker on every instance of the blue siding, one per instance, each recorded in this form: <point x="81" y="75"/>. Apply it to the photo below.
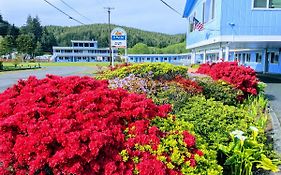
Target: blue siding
<point x="248" y="21"/>
<point x="212" y="28"/>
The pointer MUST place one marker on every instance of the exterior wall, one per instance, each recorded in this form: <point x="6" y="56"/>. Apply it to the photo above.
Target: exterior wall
<point x="212" y="28"/>
<point x="81" y="51"/>
<point x="247" y="20"/>
<point x="242" y="30"/>
<point x="170" y="58"/>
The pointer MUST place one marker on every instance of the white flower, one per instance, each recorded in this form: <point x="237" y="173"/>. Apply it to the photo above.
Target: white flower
<point x="254" y="128"/>
<point x="241" y="138"/>
<point x="237" y="133"/>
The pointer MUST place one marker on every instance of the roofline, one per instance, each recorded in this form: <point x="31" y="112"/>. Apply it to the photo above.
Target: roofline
<point x="231" y="39"/>
<point x="188" y="7"/>
<point x="152" y="55"/>
<point x="82" y="41"/>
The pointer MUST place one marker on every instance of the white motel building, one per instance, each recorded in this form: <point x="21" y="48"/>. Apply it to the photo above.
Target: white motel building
<point x="82" y="51"/>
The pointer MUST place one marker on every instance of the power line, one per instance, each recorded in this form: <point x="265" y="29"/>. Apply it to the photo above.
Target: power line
<point x="171" y="7"/>
<point x="75" y="10"/>
<point x="70" y="17"/>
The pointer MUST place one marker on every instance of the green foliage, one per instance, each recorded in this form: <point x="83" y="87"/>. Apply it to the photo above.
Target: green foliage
<point x="256" y="107"/>
<point x="139" y="48"/>
<point x="47" y="40"/>
<point x="155" y="70"/>
<point x="246" y="151"/>
<point x="6" y="45"/>
<point x="99" y="32"/>
<point x="17" y="61"/>
<point x="261" y="87"/>
<point x="213" y="120"/>
<point x="26" y="44"/>
<point x="7" y="29"/>
<point x="173" y="94"/>
<point x="38" y="49"/>
<point x="33" y="26"/>
<point x="219" y="90"/>
<point x="172" y="144"/>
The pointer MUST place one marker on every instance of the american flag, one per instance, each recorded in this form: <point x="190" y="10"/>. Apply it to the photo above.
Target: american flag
<point x="197" y="25"/>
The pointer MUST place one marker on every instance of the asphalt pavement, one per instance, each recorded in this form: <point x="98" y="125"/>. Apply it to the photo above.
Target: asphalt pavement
<point x="7" y="79"/>
<point x="273" y="93"/>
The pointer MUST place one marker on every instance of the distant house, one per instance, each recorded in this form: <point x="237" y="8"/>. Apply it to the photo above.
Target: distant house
<point x="248" y="31"/>
<point x="82" y="51"/>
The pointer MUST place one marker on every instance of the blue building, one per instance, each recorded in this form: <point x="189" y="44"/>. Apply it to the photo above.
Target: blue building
<point x="170" y="58"/>
<point x="248" y="31"/>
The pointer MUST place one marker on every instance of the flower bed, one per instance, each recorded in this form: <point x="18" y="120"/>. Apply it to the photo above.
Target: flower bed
<point x="78" y="125"/>
<point x="145" y="119"/>
<point x="243" y="78"/>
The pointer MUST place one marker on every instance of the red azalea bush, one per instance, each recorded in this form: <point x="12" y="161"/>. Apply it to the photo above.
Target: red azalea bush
<point x="77" y="125"/>
<point x="243" y="78"/>
<point x="189" y="85"/>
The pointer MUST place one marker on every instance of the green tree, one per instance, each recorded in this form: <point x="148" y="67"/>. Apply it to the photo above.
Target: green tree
<point x="26" y="44"/>
<point x="4" y="26"/>
<point x="34" y="27"/>
<point x="6" y="45"/>
<point x="48" y="40"/>
<point x="38" y="49"/>
<point x="139" y="48"/>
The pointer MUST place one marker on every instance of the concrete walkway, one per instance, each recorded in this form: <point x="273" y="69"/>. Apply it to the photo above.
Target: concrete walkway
<point x="7" y="79"/>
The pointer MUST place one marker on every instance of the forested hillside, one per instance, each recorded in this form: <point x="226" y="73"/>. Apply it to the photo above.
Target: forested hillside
<point x="99" y="32"/>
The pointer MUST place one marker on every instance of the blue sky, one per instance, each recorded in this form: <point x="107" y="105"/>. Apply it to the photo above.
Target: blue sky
<point x="149" y="15"/>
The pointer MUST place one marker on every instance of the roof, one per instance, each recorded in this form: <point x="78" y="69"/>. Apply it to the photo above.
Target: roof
<point x="81" y="41"/>
<point x="188" y="7"/>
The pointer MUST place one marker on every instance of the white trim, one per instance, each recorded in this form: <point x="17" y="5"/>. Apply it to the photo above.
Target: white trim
<point x="153" y="55"/>
<point x="241" y="38"/>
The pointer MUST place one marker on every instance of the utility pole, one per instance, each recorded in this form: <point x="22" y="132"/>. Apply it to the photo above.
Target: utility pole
<point x="109" y="32"/>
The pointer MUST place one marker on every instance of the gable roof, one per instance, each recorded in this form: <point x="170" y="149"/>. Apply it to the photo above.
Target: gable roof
<point x="188" y="7"/>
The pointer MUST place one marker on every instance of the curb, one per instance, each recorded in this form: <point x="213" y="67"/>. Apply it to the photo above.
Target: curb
<point x="276" y="126"/>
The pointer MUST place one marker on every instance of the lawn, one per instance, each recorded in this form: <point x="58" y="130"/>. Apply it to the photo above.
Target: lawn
<point x="26" y="64"/>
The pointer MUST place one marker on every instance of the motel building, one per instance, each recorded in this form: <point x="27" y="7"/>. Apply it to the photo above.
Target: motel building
<point x="247" y="31"/>
<point x="82" y="51"/>
<point x="170" y="58"/>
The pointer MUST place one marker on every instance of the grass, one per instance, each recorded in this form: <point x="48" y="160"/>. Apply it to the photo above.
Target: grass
<point x="7" y="66"/>
<point x="76" y="64"/>
<point x="43" y="64"/>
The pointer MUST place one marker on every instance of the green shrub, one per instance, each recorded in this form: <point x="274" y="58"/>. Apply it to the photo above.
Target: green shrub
<point x="155" y="70"/>
<point x="219" y="90"/>
<point x="213" y="120"/>
<point x="206" y="165"/>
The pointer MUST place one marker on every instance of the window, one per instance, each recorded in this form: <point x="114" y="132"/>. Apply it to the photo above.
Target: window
<point x="274" y="4"/>
<point x="267" y="4"/>
<point x="75" y="44"/>
<point x="80" y="44"/>
<point x="274" y="57"/>
<point x="91" y="44"/>
<point x="248" y="57"/>
<point x="258" y="57"/>
<point x="86" y="44"/>
<point x="260" y="3"/>
<point x="203" y="13"/>
<point x="213" y="9"/>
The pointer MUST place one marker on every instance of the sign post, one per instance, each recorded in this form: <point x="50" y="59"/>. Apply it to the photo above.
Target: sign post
<point x="118" y="40"/>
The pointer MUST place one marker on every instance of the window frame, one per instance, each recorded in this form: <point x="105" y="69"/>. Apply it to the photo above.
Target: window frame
<point x="272" y="60"/>
<point x="263" y="8"/>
